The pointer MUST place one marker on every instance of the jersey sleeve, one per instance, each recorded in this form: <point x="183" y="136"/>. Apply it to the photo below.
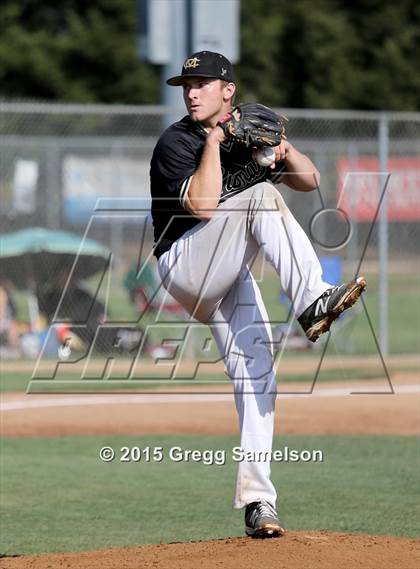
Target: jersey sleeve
<point x="174" y="162"/>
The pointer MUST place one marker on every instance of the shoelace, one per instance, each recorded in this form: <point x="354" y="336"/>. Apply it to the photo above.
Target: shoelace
<point x="265" y="509"/>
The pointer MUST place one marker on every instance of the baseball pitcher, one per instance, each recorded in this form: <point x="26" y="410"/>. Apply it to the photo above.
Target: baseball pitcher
<point x="214" y="207"/>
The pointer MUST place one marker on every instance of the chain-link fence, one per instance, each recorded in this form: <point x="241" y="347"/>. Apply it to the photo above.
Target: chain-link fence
<point x="56" y="161"/>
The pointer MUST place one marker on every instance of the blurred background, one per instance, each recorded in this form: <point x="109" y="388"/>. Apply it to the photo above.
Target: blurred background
<point x="83" y="102"/>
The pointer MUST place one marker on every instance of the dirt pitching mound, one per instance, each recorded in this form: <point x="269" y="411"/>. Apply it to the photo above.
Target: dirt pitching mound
<point x="323" y="550"/>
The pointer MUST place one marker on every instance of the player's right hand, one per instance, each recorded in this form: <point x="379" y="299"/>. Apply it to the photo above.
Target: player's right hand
<point x="282" y="150"/>
<point x="216" y="134"/>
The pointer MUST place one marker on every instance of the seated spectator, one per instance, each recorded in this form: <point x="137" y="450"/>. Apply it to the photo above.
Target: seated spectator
<point x="77" y="306"/>
<point x="9" y="338"/>
<point x="146" y="292"/>
<point x="85" y="315"/>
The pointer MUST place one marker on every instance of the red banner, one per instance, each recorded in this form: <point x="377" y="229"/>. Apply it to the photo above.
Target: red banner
<point x="360" y="186"/>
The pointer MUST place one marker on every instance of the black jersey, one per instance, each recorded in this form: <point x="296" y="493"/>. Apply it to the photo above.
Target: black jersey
<point x="175" y="158"/>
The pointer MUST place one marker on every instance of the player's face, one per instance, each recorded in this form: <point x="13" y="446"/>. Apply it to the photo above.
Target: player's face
<point x="205" y="99"/>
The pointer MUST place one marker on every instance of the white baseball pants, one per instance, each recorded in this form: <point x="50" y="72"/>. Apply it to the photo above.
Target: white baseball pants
<point x="206" y="270"/>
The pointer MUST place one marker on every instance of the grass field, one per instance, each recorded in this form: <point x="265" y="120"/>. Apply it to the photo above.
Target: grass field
<point x="58" y="496"/>
<point x="403" y="306"/>
<point x="355" y="335"/>
<point x="19" y="381"/>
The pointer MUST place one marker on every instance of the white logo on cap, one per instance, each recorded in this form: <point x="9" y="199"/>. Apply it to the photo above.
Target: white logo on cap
<point x="224" y="71"/>
<point x="193" y="62"/>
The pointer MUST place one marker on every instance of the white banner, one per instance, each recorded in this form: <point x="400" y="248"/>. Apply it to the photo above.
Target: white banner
<point x="25" y="181"/>
<point x="85" y="180"/>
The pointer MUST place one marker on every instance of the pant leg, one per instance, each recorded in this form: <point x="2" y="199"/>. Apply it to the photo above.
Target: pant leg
<point x="204" y="271"/>
<point x="287" y="248"/>
<point x="242" y="333"/>
<point x="203" y="264"/>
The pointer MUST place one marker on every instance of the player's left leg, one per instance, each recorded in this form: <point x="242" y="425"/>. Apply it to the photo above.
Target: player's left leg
<point x="202" y="265"/>
<point x="287" y="247"/>
<point x="242" y="332"/>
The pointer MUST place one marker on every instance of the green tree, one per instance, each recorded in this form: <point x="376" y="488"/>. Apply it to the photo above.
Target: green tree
<point x="331" y="53"/>
<point x="73" y="51"/>
<point x="307" y="53"/>
<point x="387" y="54"/>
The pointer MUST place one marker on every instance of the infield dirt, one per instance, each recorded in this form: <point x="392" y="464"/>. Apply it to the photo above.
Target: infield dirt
<point x="296" y="550"/>
<point x="329" y="414"/>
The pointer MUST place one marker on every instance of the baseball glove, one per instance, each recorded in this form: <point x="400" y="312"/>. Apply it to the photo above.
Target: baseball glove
<point x="254" y="125"/>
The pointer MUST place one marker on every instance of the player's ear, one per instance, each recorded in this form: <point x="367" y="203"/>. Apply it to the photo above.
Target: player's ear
<point x="229" y="91"/>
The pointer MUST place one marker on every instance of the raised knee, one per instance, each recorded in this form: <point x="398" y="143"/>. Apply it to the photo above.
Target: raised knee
<point x="269" y="198"/>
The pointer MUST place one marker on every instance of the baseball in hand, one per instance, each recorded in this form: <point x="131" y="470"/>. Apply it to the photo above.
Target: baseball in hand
<point x="265" y="156"/>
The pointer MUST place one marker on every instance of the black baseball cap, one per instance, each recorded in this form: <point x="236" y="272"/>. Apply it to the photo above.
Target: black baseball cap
<point x="204" y="64"/>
